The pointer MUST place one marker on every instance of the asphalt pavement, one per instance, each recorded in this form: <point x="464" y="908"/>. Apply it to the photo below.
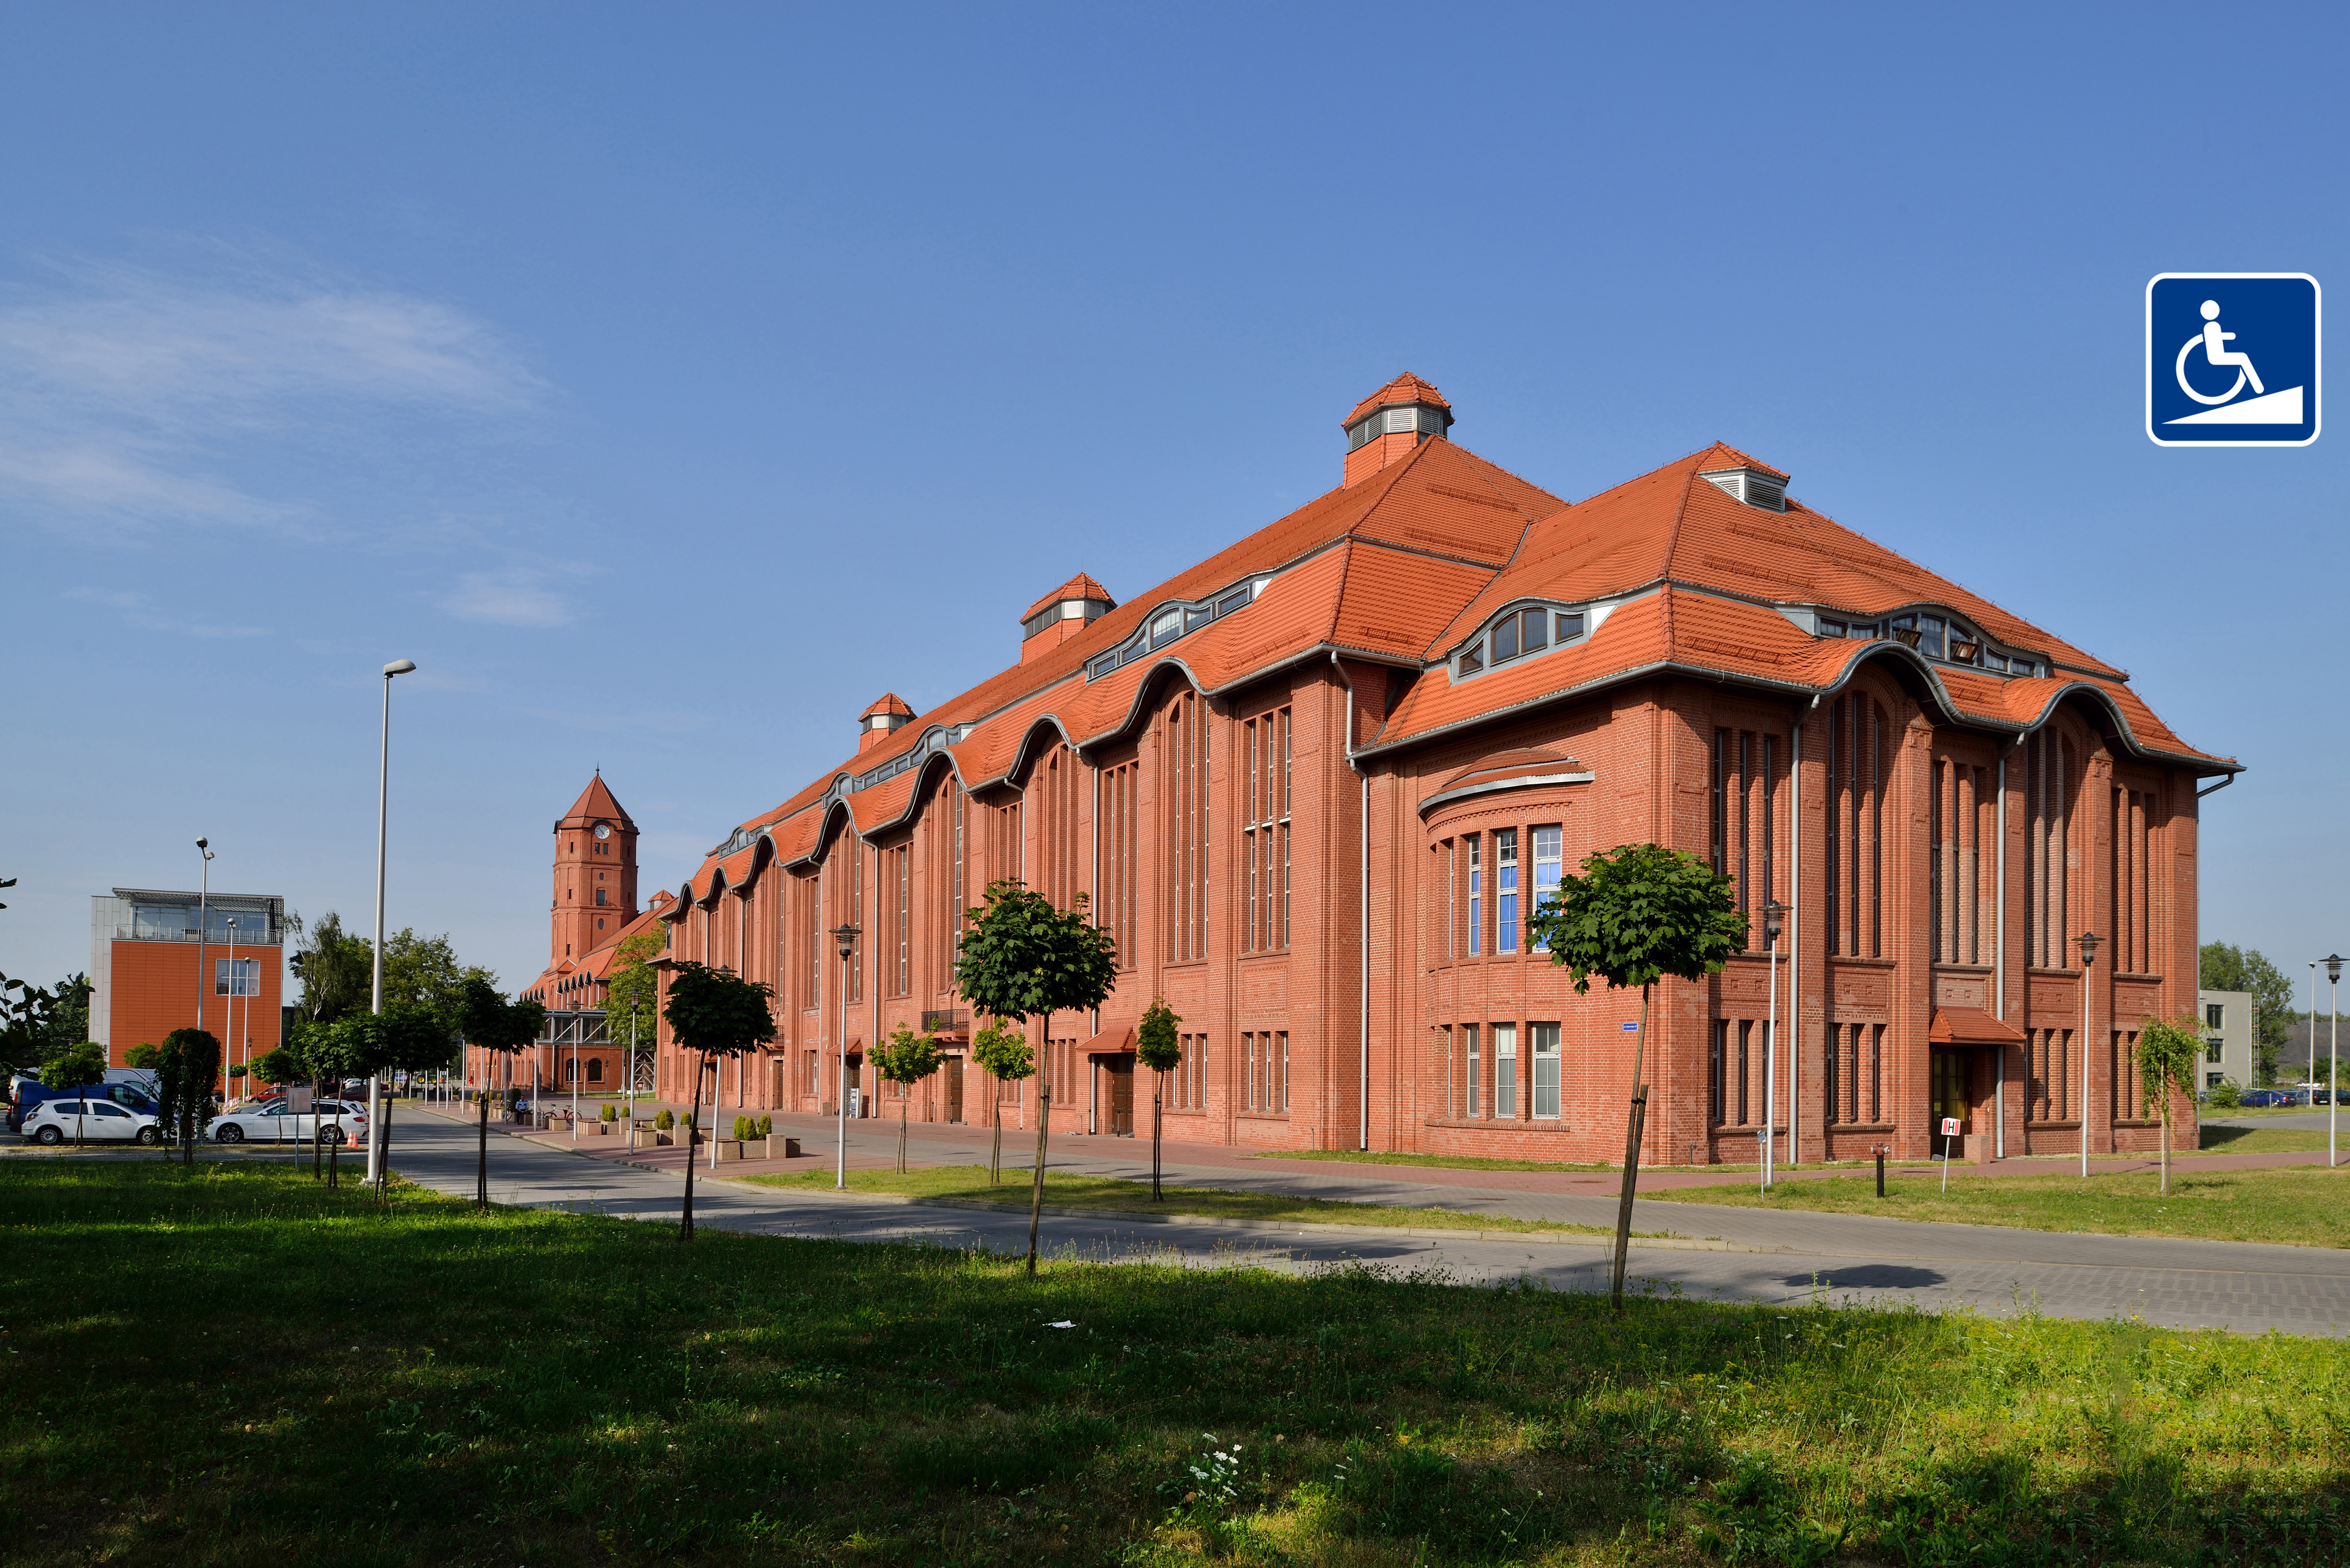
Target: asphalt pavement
<point x="1719" y="1254"/>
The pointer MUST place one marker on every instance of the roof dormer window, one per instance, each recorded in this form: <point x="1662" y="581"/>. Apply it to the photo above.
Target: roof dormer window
<point x="1751" y="485"/>
<point x="1171" y="622"/>
<point x="1518" y="635"/>
<point x="1944" y="638"/>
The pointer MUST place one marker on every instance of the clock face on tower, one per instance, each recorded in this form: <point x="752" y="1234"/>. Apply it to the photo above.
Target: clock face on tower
<point x="603" y="830"/>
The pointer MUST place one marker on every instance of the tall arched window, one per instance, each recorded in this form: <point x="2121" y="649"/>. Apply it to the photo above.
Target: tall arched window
<point x="1183" y="750"/>
<point x="1858" y="754"/>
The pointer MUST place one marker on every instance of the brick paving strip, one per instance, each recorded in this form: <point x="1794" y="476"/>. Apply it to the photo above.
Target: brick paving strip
<point x="1746" y="1254"/>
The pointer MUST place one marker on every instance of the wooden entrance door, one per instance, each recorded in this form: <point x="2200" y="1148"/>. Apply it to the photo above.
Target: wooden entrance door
<point x="1954" y="1090"/>
<point x="1119" y="1095"/>
<point x="954" y="1088"/>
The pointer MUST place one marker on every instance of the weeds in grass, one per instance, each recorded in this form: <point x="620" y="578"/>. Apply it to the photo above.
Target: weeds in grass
<point x="420" y="1383"/>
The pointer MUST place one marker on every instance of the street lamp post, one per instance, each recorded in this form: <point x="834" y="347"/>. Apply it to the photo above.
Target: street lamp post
<point x="2088" y="961"/>
<point x="1774" y="915"/>
<point x="382" y="802"/>
<point x="845" y="936"/>
<point x="204" y="903"/>
<point x="2332" y="1052"/>
<point x="233" y="989"/>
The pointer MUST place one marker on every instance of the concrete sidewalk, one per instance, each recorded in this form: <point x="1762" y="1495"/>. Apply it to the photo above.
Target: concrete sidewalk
<point x="1757" y="1254"/>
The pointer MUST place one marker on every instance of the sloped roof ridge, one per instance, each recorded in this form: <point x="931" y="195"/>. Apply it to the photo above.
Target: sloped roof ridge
<point x="596" y="800"/>
<point x="1417" y="389"/>
<point x="1081" y="586"/>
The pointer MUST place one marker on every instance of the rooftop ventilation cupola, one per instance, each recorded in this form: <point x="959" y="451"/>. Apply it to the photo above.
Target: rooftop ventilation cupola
<point x="1062" y="614"/>
<point x="888" y="715"/>
<point x="1387" y="425"/>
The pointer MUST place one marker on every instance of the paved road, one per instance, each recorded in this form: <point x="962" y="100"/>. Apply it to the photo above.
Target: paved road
<point x="1759" y="1255"/>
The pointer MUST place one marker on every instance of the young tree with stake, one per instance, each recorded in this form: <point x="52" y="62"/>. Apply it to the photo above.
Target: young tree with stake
<point x="906" y="1059"/>
<point x="1002" y="1052"/>
<point x="489" y="1020"/>
<point x="76" y="1068"/>
<point x="715" y="1013"/>
<point x="2167" y="1050"/>
<point x="1637" y="913"/>
<point x="190" y="1064"/>
<point x="1021" y="958"/>
<point x="1157" y="1047"/>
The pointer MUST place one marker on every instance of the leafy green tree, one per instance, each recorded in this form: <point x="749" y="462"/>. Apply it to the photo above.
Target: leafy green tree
<point x="29" y="1025"/>
<point x="69" y="1019"/>
<point x="2167" y="1050"/>
<point x="76" y="1068"/>
<point x="337" y="969"/>
<point x="1157" y="1047"/>
<point x="188" y="1066"/>
<point x="408" y="1035"/>
<point x="1636" y="914"/>
<point x="1021" y="958"/>
<point x="488" y="1020"/>
<point x="1002" y="1053"/>
<point x="2224" y="966"/>
<point x="632" y="994"/>
<point x="714" y="1013"/>
<point x="906" y="1059"/>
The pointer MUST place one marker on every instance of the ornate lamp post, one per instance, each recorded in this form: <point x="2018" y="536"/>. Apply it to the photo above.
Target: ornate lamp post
<point x="1774" y="914"/>
<point x="2088" y="961"/>
<point x="2333" y="1052"/>
<point x="844" y="937"/>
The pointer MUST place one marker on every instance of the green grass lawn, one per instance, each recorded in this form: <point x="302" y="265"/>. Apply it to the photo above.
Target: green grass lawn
<point x="231" y="1365"/>
<point x="2300" y="1205"/>
<point x="1118" y="1195"/>
<point x="2266" y="1140"/>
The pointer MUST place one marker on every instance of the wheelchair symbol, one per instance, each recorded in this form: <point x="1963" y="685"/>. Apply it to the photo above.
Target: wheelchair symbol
<point x="2210" y="340"/>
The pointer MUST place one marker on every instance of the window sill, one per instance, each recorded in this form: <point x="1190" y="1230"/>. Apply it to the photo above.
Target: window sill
<point x="1500" y="1124"/>
<point x="1856" y="962"/>
<point x="2051" y="1127"/>
<point x="1861" y="1128"/>
<point x="1260" y="1116"/>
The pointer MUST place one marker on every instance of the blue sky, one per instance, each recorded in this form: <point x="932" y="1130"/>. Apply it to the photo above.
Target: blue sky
<point x="669" y="382"/>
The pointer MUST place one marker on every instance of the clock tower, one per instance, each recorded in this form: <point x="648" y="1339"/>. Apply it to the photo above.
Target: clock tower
<point x="595" y="874"/>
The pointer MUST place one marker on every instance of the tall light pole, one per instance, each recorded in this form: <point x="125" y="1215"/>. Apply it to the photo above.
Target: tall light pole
<point x="2332" y="1051"/>
<point x="845" y="936"/>
<point x="2088" y="961"/>
<point x="204" y="902"/>
<point x="1774" y="915"/>
<point x="383" y="803"/>
<point x="233" y="989"/>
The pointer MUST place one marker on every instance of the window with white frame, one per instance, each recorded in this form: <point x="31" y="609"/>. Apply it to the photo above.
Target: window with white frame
<point x="236" y="977"/>
<point x="1505" y="1071"/>
<point x="1545" y="1040"/>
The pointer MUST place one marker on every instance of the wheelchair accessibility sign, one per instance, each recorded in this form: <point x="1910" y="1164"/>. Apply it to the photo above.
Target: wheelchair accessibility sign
<point x="2231" y="359"/>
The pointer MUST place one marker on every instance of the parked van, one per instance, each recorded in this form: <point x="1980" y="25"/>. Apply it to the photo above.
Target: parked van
<point x="129" y="1087"/>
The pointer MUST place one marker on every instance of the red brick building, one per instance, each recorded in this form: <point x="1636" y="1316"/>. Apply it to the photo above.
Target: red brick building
<point x="593" y="911"/>
<point x="156" y="966"/>
<point x="1315" y="783"/>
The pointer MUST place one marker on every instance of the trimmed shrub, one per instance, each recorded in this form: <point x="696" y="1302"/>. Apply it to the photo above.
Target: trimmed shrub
<point x="767" y="1127"/>
<point x="608" y="1115"/>
<point x="665" y="1119"/>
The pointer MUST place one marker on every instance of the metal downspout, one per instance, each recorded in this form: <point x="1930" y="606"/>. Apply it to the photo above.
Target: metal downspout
<point x="1998" y="963"/>
<point x="1363" y="906"/>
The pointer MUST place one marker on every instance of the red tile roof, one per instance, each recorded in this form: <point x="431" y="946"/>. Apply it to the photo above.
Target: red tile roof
<point x="595" y="802"/>
<point x="888" y="702"/>
<point x="1080" y="586"/>
<point x="1408" y="564"/>
<point x="1405" y="389"/>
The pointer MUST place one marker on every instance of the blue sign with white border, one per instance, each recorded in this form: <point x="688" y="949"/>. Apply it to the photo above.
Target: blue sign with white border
<point x="2232" y="359"/>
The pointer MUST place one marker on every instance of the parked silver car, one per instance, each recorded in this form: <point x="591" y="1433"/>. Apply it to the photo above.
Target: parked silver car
<point x="271" y="1122"/>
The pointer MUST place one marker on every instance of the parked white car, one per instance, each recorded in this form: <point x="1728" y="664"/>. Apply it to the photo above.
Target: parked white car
<point x="94" y="1121"/>
<point x="271" y="1122"/>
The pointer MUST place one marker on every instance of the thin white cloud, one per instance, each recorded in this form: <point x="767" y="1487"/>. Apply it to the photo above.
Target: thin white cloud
<point x="140" y="611"/>
<point x="129" y="395"/>
<point x="514" y="595"/>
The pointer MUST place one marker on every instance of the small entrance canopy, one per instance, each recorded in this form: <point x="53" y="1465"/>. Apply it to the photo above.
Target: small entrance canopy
<point x="1971" y="1026"/>
<point x="1110" y="1040"/>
